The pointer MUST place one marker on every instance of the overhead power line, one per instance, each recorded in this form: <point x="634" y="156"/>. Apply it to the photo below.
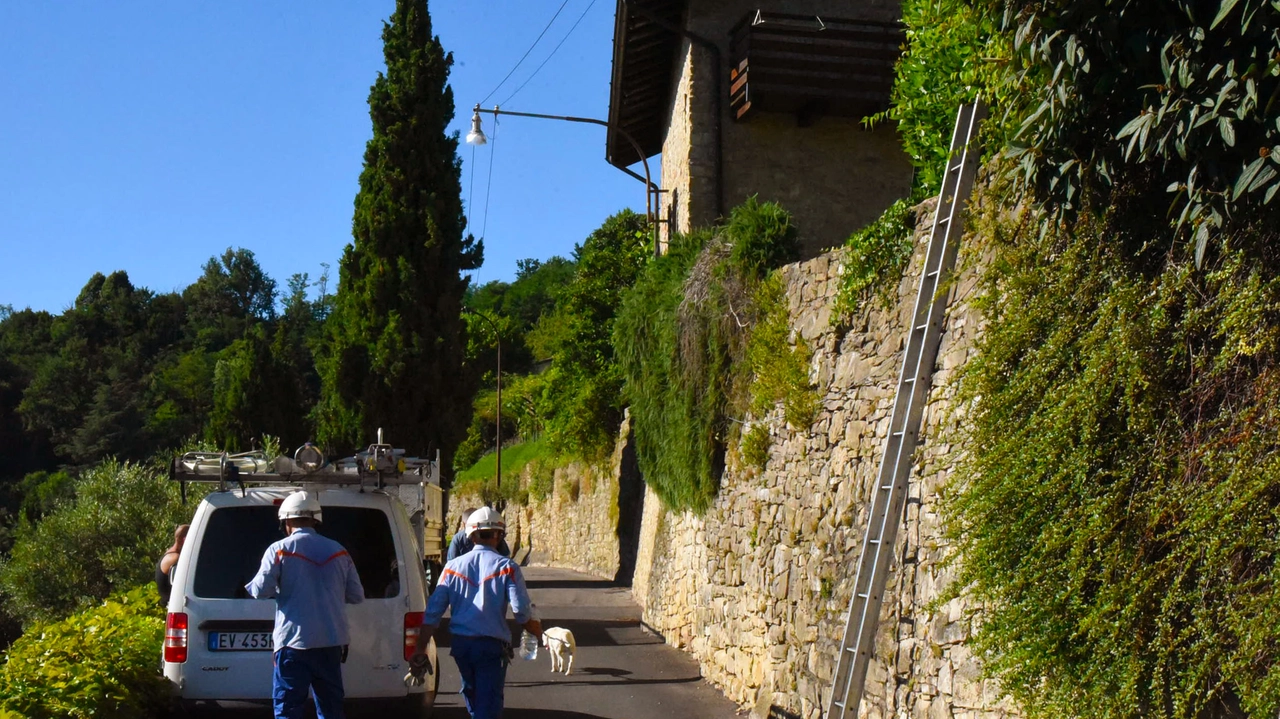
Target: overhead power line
<point x="553" y="52"/>
<point x="526" y="53"/>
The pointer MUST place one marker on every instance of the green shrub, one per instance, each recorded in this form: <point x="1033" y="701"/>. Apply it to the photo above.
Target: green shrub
<point x="107" y="539"/>
<point x="874" y="260"/>
<point x="542" y="476"/>
<point x="681" y="340"/>
<point x="101" y="663"/>
<point x="761" y="235"/>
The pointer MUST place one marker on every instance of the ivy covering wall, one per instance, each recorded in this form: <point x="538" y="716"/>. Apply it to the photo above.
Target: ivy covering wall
<point x="1117" y="514"/>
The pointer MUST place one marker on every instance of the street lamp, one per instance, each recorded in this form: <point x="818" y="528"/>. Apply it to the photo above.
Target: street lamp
<point x="477" y="137"/>
<point x="497" y="338"/>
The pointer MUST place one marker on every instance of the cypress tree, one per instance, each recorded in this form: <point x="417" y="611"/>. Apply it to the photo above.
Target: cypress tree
<point x="396" y="341"/>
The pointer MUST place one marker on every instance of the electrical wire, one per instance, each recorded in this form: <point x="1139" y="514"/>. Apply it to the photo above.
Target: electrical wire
<point x="493" y="146"/>
<point x="526" y="53"/>
<point x="553" y="52"/>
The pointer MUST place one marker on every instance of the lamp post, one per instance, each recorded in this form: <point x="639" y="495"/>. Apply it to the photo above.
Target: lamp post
<point x="476" y="137"/>
<point x="497" y="339"/>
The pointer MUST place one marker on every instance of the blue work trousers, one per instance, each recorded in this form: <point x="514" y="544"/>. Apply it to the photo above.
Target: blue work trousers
<point x="296" y="671"/>
<point x="482" y="662"/>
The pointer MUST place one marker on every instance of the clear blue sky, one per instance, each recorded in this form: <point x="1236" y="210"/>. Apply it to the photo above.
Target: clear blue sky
<point x="149" y="136"/>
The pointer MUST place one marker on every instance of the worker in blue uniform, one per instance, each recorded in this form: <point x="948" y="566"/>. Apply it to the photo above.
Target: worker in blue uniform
<point x="478" y="587"/>
<point x="312" y="579"/>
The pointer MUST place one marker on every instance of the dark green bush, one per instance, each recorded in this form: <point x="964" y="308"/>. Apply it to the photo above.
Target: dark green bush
<point x="761" y="235"/>
<point x="581" y="392"/>
<point x="108" y="539"/>
<point x="681" y="339"/>
<point x="101" y="663"/>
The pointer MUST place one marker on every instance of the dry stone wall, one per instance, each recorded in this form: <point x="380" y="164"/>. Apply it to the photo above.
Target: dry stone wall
<point x="576" y="525"/>
<point x="757" y="588"/>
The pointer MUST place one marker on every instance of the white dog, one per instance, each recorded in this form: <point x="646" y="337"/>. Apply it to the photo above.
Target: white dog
<point x="560" y="645"/>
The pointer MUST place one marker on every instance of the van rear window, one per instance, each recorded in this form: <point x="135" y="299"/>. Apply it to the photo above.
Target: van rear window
<point x="236" y="537"/>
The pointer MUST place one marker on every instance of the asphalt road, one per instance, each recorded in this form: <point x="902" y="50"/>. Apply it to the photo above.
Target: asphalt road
<point x="620" y="671"/>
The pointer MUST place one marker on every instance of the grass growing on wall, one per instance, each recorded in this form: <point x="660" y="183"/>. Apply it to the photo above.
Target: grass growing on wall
<point x="478" y="480"/>
<point x="681" y="338"/>
<point x="779" y="365"/>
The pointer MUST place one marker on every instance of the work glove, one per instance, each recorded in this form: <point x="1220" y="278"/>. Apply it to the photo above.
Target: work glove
<point x="419" y="668"/>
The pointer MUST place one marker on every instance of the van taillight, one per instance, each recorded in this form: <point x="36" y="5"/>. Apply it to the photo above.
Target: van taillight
<point x="412" y="630"/>
<point x="175" y="638"/>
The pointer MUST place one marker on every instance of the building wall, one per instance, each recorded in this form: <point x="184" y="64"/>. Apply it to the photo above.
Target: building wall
<point x="834" y="176"/>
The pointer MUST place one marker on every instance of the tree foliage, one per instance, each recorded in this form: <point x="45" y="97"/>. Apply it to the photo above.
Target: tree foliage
<point x="1104" y="89"/>
<point x="83" y="551"/>
<point x="582" y="388"/>
<point x="395" y="351"/>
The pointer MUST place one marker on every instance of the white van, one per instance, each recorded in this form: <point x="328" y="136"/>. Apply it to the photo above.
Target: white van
<point x="217" y="648"/>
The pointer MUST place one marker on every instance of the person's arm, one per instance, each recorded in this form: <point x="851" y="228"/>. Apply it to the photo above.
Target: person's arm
<point x="169" y="559"/>
<point x="521" y="604"/>
<point x="436" y="604"/>
<point x="355" y="590"/>
<point x="266" y="582"/>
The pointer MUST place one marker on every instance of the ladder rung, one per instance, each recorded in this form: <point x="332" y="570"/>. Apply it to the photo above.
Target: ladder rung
<point x="943" y="221"/>
<point x="920" y="327"/>
<point x="897" y="434"/>
<point x="935" y="273"/>
<point x="909" y="380"/>
<point x="864" y="596"/>
<point x="956" y="167"/>
<point x="873" y="541"/>
<point x="886" y="486"/>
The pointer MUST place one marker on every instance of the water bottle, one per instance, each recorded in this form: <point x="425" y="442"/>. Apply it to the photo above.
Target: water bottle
<point x="528" y="646"/>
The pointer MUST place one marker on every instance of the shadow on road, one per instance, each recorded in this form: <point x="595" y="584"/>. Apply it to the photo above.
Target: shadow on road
<point x="619" y="682"/>
<point x="572" y="584"/>
<point x="461" y="713"/>
<point x="586" y="633"/>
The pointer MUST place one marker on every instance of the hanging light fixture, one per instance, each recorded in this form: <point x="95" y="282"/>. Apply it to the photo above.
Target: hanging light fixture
<point x="476" y="136"/>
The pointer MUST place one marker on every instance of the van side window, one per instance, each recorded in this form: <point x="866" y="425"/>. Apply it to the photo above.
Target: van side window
<point x="235" y="538"/>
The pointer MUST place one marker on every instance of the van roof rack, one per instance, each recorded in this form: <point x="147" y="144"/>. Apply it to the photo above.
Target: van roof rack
<point x="379" y="465"/>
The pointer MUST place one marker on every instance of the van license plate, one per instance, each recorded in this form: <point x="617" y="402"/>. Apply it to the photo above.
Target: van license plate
<point x="239" y="641"/>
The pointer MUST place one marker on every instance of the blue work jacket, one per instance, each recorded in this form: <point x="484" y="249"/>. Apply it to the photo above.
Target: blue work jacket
<point x="477" y="587"/>
<point x="312" y="579"/>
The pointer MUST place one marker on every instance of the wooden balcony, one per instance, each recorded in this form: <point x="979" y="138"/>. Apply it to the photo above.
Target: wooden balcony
<point x="811" y="66"/>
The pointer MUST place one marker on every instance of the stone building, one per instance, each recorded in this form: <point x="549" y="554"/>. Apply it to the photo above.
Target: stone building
<point x="760" y="97"/>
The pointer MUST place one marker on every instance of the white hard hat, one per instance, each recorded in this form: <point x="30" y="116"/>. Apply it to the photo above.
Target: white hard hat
<point x="485" y="518"/>
<point x="300" y="504"/>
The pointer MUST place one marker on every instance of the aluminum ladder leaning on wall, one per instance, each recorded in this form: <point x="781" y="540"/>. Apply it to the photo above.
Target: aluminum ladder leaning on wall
<point x="913" y="391"/>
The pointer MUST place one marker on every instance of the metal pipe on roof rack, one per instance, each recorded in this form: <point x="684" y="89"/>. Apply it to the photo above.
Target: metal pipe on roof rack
<point x="715" y="77"/>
